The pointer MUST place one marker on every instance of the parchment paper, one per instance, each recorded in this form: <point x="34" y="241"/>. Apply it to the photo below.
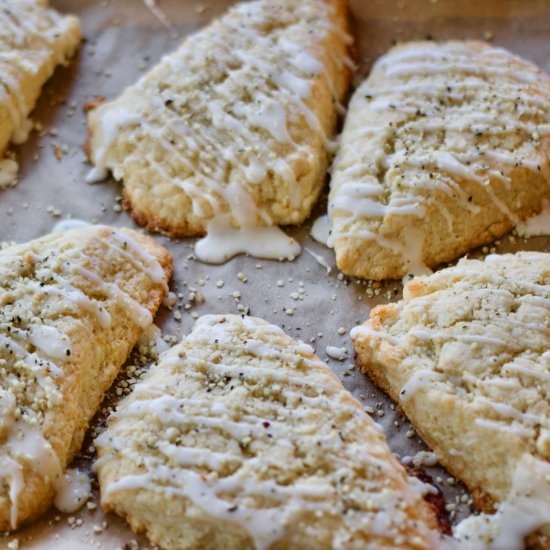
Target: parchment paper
<point x="123" y="38"/>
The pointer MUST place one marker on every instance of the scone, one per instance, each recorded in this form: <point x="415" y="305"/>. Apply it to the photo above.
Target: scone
<point x="72" y="306"/>
<point x="233" y="128"/>
<point x="466" y="353"/>
<point x="34" y="39"/>
<point x="445" y="148"/>
<point x="242" y="438"/>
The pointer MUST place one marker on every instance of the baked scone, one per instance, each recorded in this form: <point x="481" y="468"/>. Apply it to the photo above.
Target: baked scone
<point x="242" y="438"/>
<point x="235" y="125"/>
<point x="466" y="353"/>
<point x="445" y="148"/>
<point x="34" y="39"/>
<point x="72" y="306"/>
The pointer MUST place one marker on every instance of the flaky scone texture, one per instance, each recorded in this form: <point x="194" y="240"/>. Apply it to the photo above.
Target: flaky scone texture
<point x="445" y="147"/>
<point x="234" y="124"/>
<point x="466" y="354"/>
<point x="242" y="438"/>
<point x="72" y="306"/>
<point x="34" y="39"/>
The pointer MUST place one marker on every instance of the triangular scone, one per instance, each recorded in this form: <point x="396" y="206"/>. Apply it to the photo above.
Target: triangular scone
<point x="72" y="306"/>
<point x="34" y="39"/>
<point x="445" y="148"/>
<point x="467" y="355"/>
<point x="242" y="438"/>
<point x="235" y="124"/>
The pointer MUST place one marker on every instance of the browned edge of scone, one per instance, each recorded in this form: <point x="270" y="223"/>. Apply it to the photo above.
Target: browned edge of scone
<point x="160" y="225"/>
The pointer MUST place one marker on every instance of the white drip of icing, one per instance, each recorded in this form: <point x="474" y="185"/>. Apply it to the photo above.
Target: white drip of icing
<point x="68" y="224"/>
<point x="537" y="225"/>
<point x="27" y="444"/>
<point x="422" y="379"/>
<point x="50" y="340"/>
<point x="139" y="313"/>
<point x="224" y="242"/>
<point x="364" y="330"/>
<point x="112" y="122"/>
<point x="320" y="230"/>
<point x="74" y="488"/>
<point x="526" y="509"/>
<point x="265" y="526"/>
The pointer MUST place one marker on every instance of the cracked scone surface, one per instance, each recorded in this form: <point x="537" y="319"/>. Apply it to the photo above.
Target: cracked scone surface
<point x="466" y="354"/>
<point x="235" y="124"/>
<point x="445" y="148"/>
<point x="72" y="305"/>
<point x="34" y="39"/>
<point x="242" y="438"/>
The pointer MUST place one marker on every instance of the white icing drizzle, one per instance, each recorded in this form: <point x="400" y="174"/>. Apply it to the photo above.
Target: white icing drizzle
<point x="319" y="259"/>
<point x="31" y="359"/>
<point x="50" y="340"/>
<point x="220" y="153"/>
<point x="112" y="122"/>
<point x="366" y="190"/>
<point x="23" y="440"/>
<point x="213" y="474"/>
<point x="364" y="330"/>
<point x="139" y="313"/>
<point x="502" y="426"/>
<point x="8" y="173"/>
<point x="422" y="379"/>
<point x="138" y="257"/>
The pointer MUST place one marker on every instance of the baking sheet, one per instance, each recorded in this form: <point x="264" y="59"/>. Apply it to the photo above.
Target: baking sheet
<point x="123" y="39"/>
